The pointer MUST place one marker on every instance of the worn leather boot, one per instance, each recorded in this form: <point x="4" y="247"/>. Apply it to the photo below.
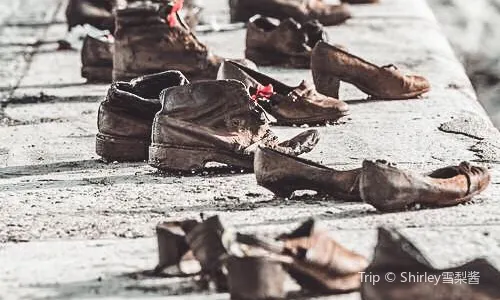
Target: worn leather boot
<point x="300" y="10"/>
<point x="270" y="42"/>
<point x="97" y="57"/>
<point x="97" y="13"/>
<point x="390" y="189"/>
<point x="289" y="105"/>
<point x="330" y="64"/>
<point x="126" y="115"/>
<point x="398" y="258"/>
<point x="214" y="121"/>
<point x="283" y="174"/>
<point x="151" y="38"/>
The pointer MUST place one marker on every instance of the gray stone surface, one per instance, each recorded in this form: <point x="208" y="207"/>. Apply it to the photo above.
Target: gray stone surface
<point x="83" y="220"/>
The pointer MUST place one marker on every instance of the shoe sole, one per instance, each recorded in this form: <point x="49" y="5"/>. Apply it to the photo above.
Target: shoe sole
<point x="121" y="149"/>
<point x="174" y="158"/>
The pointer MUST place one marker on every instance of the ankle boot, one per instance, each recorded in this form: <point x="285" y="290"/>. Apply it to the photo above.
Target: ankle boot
<point x="97" y="58"/>
<point x="390" y="189"/>
<point x="152" y="38"/>
<point x="214" y="121"/>
<point x="330" y="64"/>
<point x="300" y="10"/>
<point x="126" y="115"/>
<point x="286" y="43"/>
<point x="97" y="13"/>
<point x="289" y="105"/>
<point x="283" y="174"/>
<point x="396" y="258"/>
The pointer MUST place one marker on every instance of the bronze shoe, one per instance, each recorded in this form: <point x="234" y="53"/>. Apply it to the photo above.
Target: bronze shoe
<point x="97" y="57"/>
<point x="289" y="105"/>
<point x="270" y="42"/>
<point x="152" y="38"/>
<point x="389" y="189"/>
<point x="214" y="121"/>
<point x="314" y="259"/>
<point x="300" y="10"/>
<point x="283" y="174"/>
<point x="396" y="258"/>
<point x="97" y="13"/>
<point x="330" y="64"/>
<point x="126" y="115"/>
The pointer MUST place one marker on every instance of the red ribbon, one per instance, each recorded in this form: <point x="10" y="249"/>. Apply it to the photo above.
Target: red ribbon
<point x="263" y="92"/>
<point x="172" y="17"/>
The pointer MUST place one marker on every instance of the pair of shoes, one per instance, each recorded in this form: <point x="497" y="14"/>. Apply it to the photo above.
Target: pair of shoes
<point x="255" y="268"/>
<point x="288" y="43"/>
<point x="99" y="13"/>
<point x="179" y="125"/>
<point x="300" y="10"/>
<point x="149" y="38"/>
<point x="378" y="183"/>
<point x="289" y="105"/>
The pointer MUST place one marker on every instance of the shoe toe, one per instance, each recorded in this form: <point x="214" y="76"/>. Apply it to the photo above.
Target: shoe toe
<point x="420" y="83"/>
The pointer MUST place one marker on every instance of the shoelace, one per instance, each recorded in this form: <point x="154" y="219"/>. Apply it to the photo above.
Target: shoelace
<point x="263" y="93"/>
<point x="307" y="90"/>
<point x="172" y="17"/>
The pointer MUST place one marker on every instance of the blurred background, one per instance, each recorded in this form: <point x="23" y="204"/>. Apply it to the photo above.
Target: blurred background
<point x="473" y="27"/>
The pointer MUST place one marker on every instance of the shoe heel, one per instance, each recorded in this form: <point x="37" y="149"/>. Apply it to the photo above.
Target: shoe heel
<point x="113" y="148"/>
<point x="170" y="158"/>
<point x="326" y="84"/>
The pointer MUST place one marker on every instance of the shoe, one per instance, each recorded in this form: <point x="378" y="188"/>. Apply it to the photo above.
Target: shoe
<point x="316" y="261"/>
<point x="389" y="189"/>
<point x="283" y="174"/>
<point x="289" y="105"/>
<point x="214" y="121"/>
<point x="396" y="259"/>
<point x="152" y="38"/>
<point x="97" y="58"/>
<point x="126" y="115"/>
<point x="330" y="64"/>
<point x="270" y="42"/>
<point x="300" y="10"/>
<point x="97" y="13"/>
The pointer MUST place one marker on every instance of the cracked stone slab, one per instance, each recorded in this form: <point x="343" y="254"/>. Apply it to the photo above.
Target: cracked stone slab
<point x="472" y="125"/>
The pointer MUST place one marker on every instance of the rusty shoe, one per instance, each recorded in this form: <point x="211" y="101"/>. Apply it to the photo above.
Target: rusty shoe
<point x="214" y="121"/>
<point x="300" y="10"/>
<point x="97" y="57"/>
<point x="396" y="258"/>
<point x="314" y="259"/>
<point x="270" y="42"/>
<point x="330" y="64"/>
<point x="152" y="38"/>
<point x="388" y="188"/>
<point x="97" y="13"/>
<point x="283" y="174"/>
<point x="289" y="105"/>
<point x="126" y="115"/>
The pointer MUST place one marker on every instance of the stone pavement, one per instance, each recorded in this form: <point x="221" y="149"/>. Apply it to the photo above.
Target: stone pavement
<point x="74" y="227"/>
